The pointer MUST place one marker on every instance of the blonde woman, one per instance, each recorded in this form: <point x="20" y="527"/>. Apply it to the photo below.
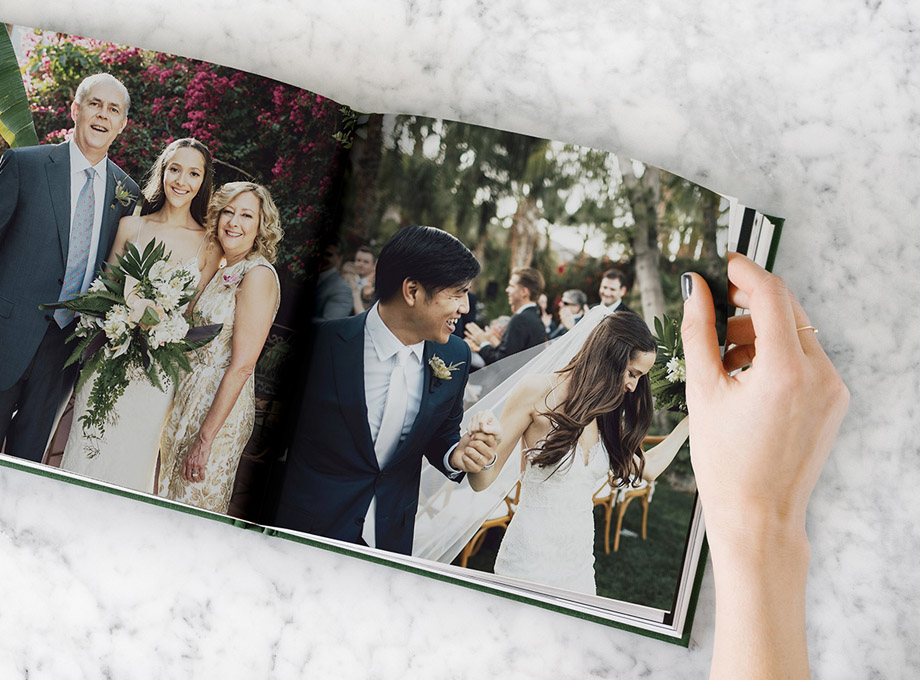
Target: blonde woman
<point x="214" y="408"/>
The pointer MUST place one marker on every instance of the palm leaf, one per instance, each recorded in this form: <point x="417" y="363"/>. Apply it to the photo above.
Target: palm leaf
<point x="16" y="125"/>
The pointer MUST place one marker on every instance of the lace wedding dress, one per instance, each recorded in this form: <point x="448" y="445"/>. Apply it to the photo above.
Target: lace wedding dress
<point x="550" y="539"/>
<point x="126" y="455"/>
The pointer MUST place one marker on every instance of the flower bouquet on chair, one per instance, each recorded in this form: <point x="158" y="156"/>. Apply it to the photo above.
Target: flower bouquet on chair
<point x="133" y="323"/>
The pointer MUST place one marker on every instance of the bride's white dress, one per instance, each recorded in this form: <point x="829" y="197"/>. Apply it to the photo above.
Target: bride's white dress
<point x="127" y="453"/>
<point x="550" y="539"/>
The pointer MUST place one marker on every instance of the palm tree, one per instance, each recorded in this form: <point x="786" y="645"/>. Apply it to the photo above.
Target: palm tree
<point x="16" y="124"/>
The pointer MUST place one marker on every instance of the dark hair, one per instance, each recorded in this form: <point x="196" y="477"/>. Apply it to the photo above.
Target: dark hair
<point x="366" y="249"/>
<point x="155" y="194"/>
<point x="616" y="274"/>
<point x="577" y="296"/>
<point x="531" y="279"/>
<point x="597" y="391"/>
<point x="428" y="255"/>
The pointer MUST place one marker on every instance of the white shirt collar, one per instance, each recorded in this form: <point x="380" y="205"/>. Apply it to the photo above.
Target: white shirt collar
<point x="386" y="344"/>
<point x="529" y="304"/>
<point x="79" y="162"/>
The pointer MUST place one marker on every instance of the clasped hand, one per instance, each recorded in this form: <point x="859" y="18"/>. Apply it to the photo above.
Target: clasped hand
<point x="478" y="447"/>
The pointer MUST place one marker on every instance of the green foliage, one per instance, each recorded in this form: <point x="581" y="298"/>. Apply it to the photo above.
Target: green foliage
<point x="16" y="126"/>
<point x="667" y="376"/>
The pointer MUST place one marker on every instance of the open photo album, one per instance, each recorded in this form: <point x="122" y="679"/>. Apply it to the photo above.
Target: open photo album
<point x="444" y="348"/>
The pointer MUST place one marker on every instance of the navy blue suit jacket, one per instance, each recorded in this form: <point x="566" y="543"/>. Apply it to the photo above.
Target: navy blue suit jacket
<point x="34" y="237"/>
<point x="332" y="471"/>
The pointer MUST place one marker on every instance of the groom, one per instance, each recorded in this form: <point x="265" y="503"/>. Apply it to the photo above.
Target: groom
<point x="385" y="388"/>
<point x="59" y="212"/>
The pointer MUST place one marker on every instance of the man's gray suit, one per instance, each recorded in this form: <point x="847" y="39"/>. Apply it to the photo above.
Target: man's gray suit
<point x="34" y="237"/>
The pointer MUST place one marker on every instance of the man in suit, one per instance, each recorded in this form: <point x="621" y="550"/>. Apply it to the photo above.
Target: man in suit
<point x="59" y="212"/>
<point x="385" y="388"/>
<point x="612" y="291"/>
<point x="333" y="295"/>
<point x="525" y="329"/>
<point x="571" y="309"/>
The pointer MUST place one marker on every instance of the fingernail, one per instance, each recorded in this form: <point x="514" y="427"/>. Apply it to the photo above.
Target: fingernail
<point x="686" y="286"/>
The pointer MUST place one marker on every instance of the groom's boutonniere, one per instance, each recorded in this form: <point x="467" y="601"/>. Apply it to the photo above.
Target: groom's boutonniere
<point x="441" y="371"/>
<point x="122" y="195"/>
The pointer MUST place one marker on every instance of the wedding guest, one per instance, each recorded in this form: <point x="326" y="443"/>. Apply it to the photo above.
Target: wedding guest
<point x="571" y="308"/>
<point x="176" y="193"/>
<point x="359" y="275"/>
<point x="59" y="211"/>
<point x="333" y="298"/>
<point x="525" y="329"/>
<point x="613" y="289"/>
<point x="214" y="408"/>
<point x="545" y="315"/>
<point x="760" y="439"/>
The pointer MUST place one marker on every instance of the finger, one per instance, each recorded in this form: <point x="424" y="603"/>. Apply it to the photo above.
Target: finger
<point x="740" y="330"/>
<point x="770" y="307"/>
<point x="737" y="357"/>
<point x="807" y="336"/>
<point x="698" y="330"/>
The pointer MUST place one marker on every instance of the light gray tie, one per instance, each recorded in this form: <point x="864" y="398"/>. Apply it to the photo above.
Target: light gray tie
<point x="81" y="233"/>
<point x="394" y="412"/>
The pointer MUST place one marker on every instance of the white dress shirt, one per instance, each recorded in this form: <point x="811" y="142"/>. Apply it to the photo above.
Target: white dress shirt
<point x="78" y="165"/>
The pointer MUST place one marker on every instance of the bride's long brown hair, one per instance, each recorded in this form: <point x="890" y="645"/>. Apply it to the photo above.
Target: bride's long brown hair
<point x="596" y="390"/>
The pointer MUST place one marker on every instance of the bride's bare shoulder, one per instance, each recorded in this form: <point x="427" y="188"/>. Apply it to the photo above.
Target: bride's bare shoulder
<point x="533" y="388"/>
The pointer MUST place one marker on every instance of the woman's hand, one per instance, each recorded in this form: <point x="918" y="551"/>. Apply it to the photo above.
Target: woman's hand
<point x="196" y="460"/>
<point x="758" y="441"/>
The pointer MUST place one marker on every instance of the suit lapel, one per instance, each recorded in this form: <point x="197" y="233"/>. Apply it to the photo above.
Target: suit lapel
<point x="348" y="370"/>
<point x="58" y="171"/>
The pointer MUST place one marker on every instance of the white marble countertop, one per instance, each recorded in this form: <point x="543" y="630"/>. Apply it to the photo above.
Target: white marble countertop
<point x="806" y="109"/>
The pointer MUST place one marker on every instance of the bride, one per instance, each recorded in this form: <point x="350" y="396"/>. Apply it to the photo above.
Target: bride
<point x="176" y="195"/>
<point x="575" y="424"/>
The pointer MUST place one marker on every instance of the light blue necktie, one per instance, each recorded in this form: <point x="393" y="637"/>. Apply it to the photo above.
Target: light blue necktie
<point x="81" y="232"/>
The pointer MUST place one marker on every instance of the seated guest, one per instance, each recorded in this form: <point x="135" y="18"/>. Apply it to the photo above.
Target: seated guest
<point x="612" y="291"/>
<point x="525" y="329"/>
<point x="333" y="296"/>
<point x="571" y="309"/>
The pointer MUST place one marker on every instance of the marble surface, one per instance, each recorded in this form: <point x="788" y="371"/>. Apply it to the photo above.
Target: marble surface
<point x="807" y="109"/>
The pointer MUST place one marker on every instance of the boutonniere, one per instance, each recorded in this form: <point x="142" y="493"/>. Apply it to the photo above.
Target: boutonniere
<point x="122" y="195"/>
<point x="228" y="280"/>
<point x="441" y="371"/>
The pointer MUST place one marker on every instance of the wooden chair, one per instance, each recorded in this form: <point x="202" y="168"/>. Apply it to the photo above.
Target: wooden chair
<point x="619" y="498"/>
<point x="500" y="518"/>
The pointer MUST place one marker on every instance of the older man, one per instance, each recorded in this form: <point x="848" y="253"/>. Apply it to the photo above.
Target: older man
<point x="59" y="212"/>
<point x="571" y="309"/>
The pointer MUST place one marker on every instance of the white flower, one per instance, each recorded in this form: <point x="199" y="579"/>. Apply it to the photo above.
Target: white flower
<point x="173" y="329"/>
<point x="116" y="323"/>
<point x="677" y="370"/>
<point x="168" y="293"/>
<point x="97" y="286"/>
<point x="160" y="271"/>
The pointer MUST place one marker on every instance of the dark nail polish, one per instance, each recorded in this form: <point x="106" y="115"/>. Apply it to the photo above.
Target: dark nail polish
<point x="686" y="286"/>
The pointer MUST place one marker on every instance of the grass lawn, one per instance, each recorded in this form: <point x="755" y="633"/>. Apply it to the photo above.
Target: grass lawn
<point x="644" y="572"/>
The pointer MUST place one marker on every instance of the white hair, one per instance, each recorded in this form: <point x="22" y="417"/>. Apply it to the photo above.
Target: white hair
<point x="90" y="82"/>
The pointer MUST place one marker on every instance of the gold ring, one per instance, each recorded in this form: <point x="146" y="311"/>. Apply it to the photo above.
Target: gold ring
<point x="806" y="328"/>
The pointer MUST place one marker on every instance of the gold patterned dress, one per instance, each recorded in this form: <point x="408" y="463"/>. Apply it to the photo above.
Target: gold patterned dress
<point x="194" y="396"/>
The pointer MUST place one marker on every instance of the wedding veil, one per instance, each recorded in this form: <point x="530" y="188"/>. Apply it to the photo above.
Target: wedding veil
<point x="449" y="514"/>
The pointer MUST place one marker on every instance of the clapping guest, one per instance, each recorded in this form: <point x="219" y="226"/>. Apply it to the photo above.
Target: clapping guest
<point x="359" y="275"/>
<point x="571" y="309"/>
<point x="546" y="316"/>
<point x="525" y="329"/>
<point x="334" y="298"/>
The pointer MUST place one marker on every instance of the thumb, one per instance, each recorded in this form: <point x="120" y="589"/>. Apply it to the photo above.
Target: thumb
<point x="698" y="332"/>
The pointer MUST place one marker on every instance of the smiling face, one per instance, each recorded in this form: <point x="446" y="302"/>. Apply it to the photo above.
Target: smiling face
<point x="364" y="263"/>
<point x="98" y="120"/>
<point x="639" y="366"/>
<point x="518" y="295"/>
<point x="238" y="225"/>
<point x="183" y="175"/>
<point x="435" y="316"/>
<point x="611" y="291"/>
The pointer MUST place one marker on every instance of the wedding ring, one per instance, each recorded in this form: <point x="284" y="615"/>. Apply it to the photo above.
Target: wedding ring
<point x="806" y="328"/>
<point x="489" y="465"/>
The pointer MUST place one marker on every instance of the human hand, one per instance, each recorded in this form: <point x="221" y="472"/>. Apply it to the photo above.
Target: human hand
<point x="473" y="332"/>
<point x="477" y="448"/>
<point x="758" y="441"/>
<point x="196" y="460"/>
<point x="566" y="317"/>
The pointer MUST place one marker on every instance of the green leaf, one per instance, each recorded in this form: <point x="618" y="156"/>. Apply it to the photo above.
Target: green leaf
<point x="16" y="125"/>
<point x="150" y="317"/>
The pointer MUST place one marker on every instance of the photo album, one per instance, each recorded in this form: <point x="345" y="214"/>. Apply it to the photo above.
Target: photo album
<point x="443" y="348"/>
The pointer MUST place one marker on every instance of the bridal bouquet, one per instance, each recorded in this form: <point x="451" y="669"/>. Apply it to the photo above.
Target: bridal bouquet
<point x="133" y="321"/>
<point x="668" y="376"/>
